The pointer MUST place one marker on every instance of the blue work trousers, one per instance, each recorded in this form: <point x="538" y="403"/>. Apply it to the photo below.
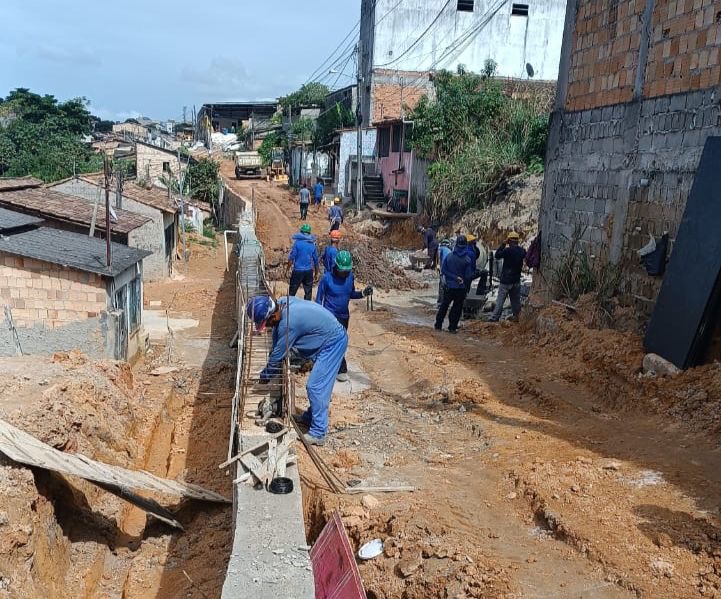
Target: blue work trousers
<point x="320" y="385"/>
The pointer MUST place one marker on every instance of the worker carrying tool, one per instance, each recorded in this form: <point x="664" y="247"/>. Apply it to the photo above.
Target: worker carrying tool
<point x="335" y="290"/>
<point x="303" y="262"/>
<point x="312" y="332"/>
<point x="512" y="255"/>
<point x="456" y="269"/>
<point x="335" y="215"/>
<point x="331" y="251"/>
<point x="304" y="201"/>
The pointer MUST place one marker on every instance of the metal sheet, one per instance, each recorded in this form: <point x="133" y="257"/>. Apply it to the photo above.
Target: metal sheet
<point x="334" y="567"/>
<point x="689" y="296"/>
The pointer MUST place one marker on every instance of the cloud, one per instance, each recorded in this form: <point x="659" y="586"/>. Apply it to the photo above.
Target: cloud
<point x="227" y="79"/>
<point x="108" y="114"/>
<point x="60" y="54"/>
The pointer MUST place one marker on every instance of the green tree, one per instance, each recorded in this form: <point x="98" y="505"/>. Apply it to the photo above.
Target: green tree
<point x="310" y="94"/>
<point x="475" y="136"/>
<point x="329" y="121"/>
<point x="270" y="141"/>
<point x="204" y="180"/>
<point x="42" y="137"/>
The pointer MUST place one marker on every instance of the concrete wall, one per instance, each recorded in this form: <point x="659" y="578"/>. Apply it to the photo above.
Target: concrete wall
<point x="512" y="41"/>
<point x="150" y="236"/>
<point x="233" y="207"/>
<point x="623" y="152"/>
<point x="348" y="152"/>
<point x="150" y="162"/>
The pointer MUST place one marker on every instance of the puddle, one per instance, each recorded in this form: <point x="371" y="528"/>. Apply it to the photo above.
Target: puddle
<point x="646" y="478"/>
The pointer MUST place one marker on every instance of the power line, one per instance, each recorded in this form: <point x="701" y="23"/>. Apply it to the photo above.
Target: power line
<point x="415" y="43"/>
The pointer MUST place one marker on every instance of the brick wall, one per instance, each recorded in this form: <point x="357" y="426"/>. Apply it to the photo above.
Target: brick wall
<point x="48" y="295"/>
<point x="150" y="162"/>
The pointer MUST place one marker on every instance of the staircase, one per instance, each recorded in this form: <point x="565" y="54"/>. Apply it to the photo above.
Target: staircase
<point x="373" y="190"/>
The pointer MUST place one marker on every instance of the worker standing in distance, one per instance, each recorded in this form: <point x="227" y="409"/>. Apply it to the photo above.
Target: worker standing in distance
<point x="430" y="244"/>
<point x="330" y="251"/>
<point x="456" y="269"/>
<point x="512" y="255"/>
<point x="304" y="201"/>
<point x="443" y="250"/>
<point x="312" y="332"/>
<point x="317" y="193"/>
<point x="335" y="290"/>
<point x="335" y="215"/>
<point x="303" y="262"/>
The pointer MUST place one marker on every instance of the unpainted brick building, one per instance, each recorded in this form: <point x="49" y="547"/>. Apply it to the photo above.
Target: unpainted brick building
<point x="639" y="92"/>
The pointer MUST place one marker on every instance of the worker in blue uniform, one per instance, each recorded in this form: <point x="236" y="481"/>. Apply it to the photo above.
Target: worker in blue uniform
<point x="335" y="290"/>
<point x="335" y="215"/>
<point x="313" y="333"/>
<point x="456" y="270"/>
<point x="303" y="263"/>
<point x="331" y="251"/>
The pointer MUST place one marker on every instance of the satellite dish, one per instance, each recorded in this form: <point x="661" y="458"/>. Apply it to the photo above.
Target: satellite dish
<point x="529" y="69"/>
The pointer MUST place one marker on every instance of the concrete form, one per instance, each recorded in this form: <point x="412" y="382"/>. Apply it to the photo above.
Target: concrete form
<point x="638" y="95"/>
<point x="270" y="556"/>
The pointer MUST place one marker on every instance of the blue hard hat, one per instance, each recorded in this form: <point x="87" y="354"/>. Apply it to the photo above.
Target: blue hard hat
<point x="259" y="309"/>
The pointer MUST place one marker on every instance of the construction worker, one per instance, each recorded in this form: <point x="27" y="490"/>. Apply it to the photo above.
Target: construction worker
<point x="512" y="255"/>
<point x="473" y="253"/>
<point x="443" y="250"/>
<point x="313" y="333"/>
<point x="317" y="193"/>
<point x="335" y="215"/>
<point x="303" y="262"/>
<point x="430" y="244"/>
<point x="304" y="201"/>
<point x="335" y="290"/>
<point x="330" y="251"/>
<point x="456" y="269"/>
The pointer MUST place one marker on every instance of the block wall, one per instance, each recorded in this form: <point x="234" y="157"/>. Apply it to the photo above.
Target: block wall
<point x="47" y="295"/>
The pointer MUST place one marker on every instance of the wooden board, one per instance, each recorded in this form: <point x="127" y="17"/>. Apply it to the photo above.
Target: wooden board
<point x="391" y="215"/>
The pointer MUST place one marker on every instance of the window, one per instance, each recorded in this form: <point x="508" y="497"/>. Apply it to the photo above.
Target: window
<point x="384" y="142"/>
<point x="465" y="5"/>
<point x="396" y="139"/>
<point x="166" y="167"/>
<point x="519" y="10"/>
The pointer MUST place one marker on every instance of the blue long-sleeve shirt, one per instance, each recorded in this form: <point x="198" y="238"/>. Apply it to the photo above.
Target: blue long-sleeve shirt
<point x="303" y="254"/>
<point x="318" y="191"/>
<point x="457" y="265"/>
<point x="335" y="212"/>
<point x="329" y="255"/>
<point x="334" y="293"/>
<point x="304" y="327"/>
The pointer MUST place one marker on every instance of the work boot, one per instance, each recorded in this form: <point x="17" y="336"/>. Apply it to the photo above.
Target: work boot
<point x="342" y="377"/>
<point x="311" y="440"/>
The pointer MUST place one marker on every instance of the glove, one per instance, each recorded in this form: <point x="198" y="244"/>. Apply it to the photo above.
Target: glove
<point x="368" y="291"/>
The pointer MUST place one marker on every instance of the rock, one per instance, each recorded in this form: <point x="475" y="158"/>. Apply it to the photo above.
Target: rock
<point x="511" y="496"/>
<point x="408" y="566"/>
<point x="164" y="370"/>
<point x="653" y="363"/>
<point x="662" y="567"/>
<point x="575" y="488"/>
<point x="612" y="466"/>
<point x="663" y="540"/>
<point x="369" y="502"/>
<point x="390" y="548"/>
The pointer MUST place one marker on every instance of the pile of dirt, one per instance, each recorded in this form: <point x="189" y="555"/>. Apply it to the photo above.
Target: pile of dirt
<point x="372" y="267"/>
<point x="515" y="208"/>
<point x="54" y="529"/>
<point x="609" y="362"/>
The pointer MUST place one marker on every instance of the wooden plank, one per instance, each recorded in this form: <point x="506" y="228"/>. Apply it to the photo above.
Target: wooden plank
<point x="257" y="468"/>
<point x="253" y="449"/>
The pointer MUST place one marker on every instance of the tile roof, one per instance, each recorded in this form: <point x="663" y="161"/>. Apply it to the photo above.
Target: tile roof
<point x="14" y="220"/>
<point x="53" y="205"/>
<point x="73" y="250"/>
<point x="11" y="183"/>
<point x="154" y="197"/>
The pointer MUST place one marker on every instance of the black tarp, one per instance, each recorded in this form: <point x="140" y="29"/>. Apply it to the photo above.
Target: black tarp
<point x="688" y="302"/>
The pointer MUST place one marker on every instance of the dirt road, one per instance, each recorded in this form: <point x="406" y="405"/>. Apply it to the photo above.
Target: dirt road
<point x="533" y="479"/>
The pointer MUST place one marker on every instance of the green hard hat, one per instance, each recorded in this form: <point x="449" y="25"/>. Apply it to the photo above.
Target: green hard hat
<point x="305" y="228"/>
<point x="343" y="261"/>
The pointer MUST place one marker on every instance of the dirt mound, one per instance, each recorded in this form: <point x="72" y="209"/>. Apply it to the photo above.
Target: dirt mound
<point x="372" y="267"/>
<point x="48" y="522"/>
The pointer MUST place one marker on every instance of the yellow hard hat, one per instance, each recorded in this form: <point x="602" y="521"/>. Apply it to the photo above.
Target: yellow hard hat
<point x="513" y="235"/>
<point x="470" y="238"/>
<point x="337" y="200"/>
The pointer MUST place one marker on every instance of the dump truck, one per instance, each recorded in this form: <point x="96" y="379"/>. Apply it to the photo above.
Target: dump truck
<point x="247" y="165"/>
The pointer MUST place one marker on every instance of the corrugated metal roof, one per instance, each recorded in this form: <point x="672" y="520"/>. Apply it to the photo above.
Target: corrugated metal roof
<point x="73" y="250"/>
<point x="10" y="183"/>
<point x="14" y="220"/>
<point x="51" y="204"/>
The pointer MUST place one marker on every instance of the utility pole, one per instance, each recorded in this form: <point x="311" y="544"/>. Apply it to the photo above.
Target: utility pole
<point x="181" y="183"/>
<point x="359" y="121"/>
<point x="107" y="171"/>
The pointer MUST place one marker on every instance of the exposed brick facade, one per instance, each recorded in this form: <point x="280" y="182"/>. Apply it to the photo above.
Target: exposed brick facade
<point x="48" y="295"/>
<point x="629" y="126"/>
